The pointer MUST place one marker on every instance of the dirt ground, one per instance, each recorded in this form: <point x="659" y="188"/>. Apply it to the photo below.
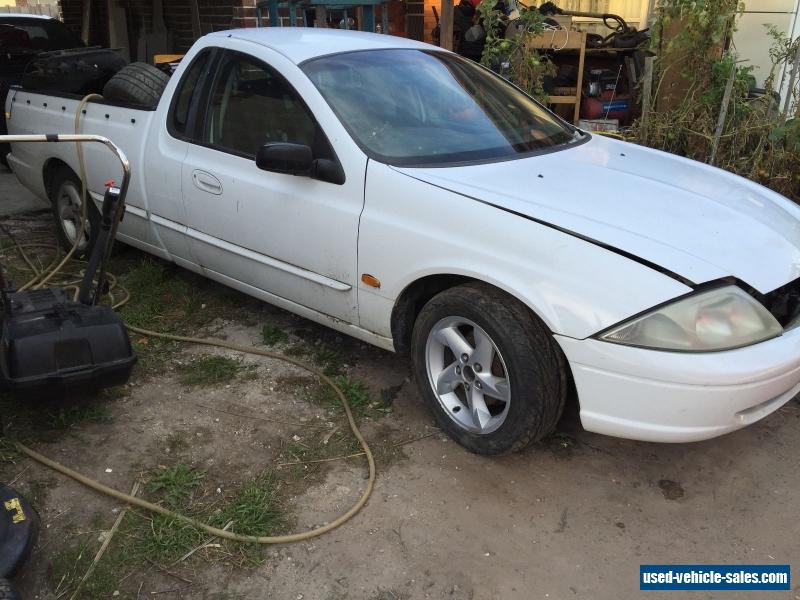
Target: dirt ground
<point x="571" y="517"/>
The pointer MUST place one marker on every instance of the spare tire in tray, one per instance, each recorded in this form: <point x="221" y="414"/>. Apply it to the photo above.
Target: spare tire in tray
<point x="77" y="71"/>
<point x="138" y="83"/>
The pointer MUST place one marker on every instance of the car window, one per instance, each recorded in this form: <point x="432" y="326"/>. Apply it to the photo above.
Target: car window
<point x="252" y="105"/>
<point x="429" y="107"/>
<point x="187" y="88"/>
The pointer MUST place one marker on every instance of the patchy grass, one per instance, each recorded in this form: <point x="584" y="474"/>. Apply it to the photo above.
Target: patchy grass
<point x="213" y="370"/>
<point x="329" y="360"/>
<point x="272" y="335"/>
<point x="147" y="541"/>
<point x="176" y="442"/>
<point x="307" y="460"/>
<point x="65" y="417"/>
<point x="257" y="508"/>
<point x="356" y="393"/>
<point x="168" y="299"/>
<point x="173" y="485"/>
<point x="30" y="420"/>
<point x="162" y="539"/>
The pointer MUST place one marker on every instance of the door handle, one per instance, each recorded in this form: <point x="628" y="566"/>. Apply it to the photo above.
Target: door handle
<point x="206" y="182"/>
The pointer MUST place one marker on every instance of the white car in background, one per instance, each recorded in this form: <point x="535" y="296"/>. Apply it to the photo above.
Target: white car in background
<point x="413" y="199"/>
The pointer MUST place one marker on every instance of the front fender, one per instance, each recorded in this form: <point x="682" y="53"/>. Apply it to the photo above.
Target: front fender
<point x="411" y="229"/>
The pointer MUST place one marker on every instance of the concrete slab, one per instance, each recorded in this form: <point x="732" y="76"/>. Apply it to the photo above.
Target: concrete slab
<point x="14" y="198"/>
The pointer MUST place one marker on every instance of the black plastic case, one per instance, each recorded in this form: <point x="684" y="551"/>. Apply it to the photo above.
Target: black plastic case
<point x="50" y="342"/>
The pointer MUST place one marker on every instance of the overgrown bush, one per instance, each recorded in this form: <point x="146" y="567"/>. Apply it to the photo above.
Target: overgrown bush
<point x="759" y="138"/>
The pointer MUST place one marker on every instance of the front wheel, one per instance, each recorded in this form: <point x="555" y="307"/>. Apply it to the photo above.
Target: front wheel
<point x="488" y="369"/>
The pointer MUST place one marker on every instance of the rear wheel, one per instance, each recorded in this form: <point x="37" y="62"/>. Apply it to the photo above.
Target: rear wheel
<point x="65" y="194"/>
<point x="488" y="369"/>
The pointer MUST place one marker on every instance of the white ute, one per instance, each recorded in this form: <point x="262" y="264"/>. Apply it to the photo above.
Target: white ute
<point x="412" y="199"/>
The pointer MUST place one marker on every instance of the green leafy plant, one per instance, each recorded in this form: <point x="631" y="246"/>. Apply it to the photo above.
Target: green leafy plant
<point x="174" y="484"/>
<point x="514" y="57"/>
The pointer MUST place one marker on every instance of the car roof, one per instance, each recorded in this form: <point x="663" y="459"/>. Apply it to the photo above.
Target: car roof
<point x="23" y="16"/>
<point x="299" y="44"/>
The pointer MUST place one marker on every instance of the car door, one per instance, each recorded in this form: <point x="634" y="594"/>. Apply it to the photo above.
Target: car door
<point x="294" y="237"/>
<point x="165" y="152"/>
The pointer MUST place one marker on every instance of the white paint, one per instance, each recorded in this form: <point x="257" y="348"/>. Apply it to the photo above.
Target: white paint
<point x="302" y="244"/>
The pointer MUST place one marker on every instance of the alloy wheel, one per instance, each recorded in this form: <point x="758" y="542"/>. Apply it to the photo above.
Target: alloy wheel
<point x="468" y="375"/>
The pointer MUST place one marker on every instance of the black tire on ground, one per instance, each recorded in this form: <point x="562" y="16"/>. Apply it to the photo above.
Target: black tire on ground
<point x="63" y="177"/>
<point x="537" y="369"/>
<point x="137" y="83"/>
<point x="7" y="591"/>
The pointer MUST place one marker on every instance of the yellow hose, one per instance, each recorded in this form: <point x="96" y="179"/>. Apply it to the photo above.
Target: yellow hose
<point x="97" y="486"/>
<point x="277" y="539"/>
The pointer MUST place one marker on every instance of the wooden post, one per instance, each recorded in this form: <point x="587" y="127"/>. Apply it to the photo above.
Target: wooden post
<point x="723" y="112"/>
<point x="647" y="96"/>
<point x="118" y="28"/>
<point x="446" y="25"/>
<point x="792" y="81"/>
<point x="194" y="9"/>
<point x="320" y="16"/>
<point x="86" y="19"/>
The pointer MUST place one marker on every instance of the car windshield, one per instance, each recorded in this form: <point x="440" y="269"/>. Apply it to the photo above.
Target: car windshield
<point x="419" y="107"/>
<point x="19" y="34"/>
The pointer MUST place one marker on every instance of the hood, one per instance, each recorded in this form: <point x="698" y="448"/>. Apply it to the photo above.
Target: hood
<point x="696" y="221"/>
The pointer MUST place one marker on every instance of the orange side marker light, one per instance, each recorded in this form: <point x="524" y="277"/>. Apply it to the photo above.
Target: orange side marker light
<point x="370" y="280"/>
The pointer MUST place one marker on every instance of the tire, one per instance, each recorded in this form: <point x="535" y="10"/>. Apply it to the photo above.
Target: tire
<point x="138" y="83"/>
<point x="65" y="188"/>
<point x="7" y="591"/>
<point x="526" y="370"/>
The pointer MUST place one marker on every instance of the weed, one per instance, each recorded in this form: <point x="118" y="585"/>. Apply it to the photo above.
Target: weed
<point x="272" y="335"/>
<point x="330" y="360"/>
<point x="257" y="508"/>
<point x="65" y="417"/>
<point x="321" y="354"/>
<point x="174" y="484"/>
<point x="69" y="565"/>
<point x="164" y="539"/>
<point x="353" y="389"/>
<point x="210" y="370"/>
<point x="176" y="441"/>
<point x="156" y="297"/>
<point x="8" y="453"/>
<point x="296" y="350"/>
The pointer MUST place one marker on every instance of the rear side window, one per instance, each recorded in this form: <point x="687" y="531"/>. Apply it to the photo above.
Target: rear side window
<point x="187" y="89"/>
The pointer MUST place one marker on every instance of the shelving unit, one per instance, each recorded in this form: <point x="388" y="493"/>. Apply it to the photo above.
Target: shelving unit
<point x="566" y="41"/>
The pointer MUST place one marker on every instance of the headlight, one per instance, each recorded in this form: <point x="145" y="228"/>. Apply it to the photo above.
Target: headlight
<point x="719" y="319"/>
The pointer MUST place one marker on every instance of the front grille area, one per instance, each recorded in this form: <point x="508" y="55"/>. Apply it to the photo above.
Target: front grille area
<point x="784" y="302"/>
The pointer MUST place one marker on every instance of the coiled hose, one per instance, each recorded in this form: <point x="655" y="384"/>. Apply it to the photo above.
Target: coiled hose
<point x="41" y="277"/>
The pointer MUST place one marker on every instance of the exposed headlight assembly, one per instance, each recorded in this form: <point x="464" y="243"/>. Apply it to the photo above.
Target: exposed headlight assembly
<point x="720" y="319"/>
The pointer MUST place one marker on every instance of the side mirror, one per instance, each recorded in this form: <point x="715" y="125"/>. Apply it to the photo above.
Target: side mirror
<point x="281" y="157"/>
